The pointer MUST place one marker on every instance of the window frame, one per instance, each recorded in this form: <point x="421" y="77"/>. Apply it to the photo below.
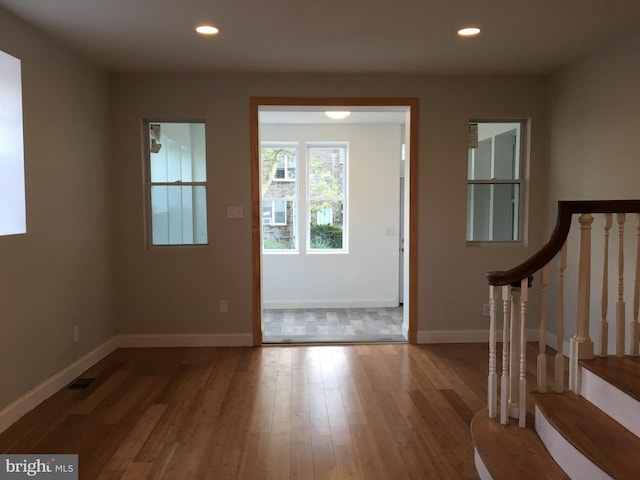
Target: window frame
<point x="521" y="181"/>
<point x="149" y="184"/>
<point x="287" y="169"/>
<point x="273" y="212"/>
<point x="343" y="199"/>
<point x="293" y="200"/>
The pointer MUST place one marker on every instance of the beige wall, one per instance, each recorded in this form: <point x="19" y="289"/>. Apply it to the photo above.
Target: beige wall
<point x="595" y="155"/>
<point x="595" y="125"/>
<point x="173" y="290"/>
<point x="58" y="275"/>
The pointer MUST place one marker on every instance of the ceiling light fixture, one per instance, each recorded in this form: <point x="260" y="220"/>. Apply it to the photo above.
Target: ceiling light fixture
<point x="337" y="114"/>
<point x="468" y="31"/>
<point x="207" y="30"/>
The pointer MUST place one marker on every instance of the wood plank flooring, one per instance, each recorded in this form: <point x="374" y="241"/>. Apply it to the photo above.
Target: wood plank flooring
<point x="393" y="411"/>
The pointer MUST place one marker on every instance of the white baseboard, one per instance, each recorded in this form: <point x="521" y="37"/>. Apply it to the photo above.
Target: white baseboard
<point x="185" y="340"/>
<point x="466" y="336"/>
<point x="27" y="402"/>
<point x="331" y="304"/>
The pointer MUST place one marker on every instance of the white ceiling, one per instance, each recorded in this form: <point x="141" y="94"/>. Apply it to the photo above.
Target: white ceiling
<point x="396" y="36"/>
<point x="315" y="115"/>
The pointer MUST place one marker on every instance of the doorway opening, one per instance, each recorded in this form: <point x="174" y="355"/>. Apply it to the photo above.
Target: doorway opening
<point x="333" y="202"/>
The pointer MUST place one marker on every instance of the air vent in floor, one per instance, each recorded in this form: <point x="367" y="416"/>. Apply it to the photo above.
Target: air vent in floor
<point x="80" y="384"/>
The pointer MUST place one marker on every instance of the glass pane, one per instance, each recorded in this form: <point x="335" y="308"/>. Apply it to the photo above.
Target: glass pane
<point x="480" y="161"/>
<point x="279" y="224"/>
<point x="493" y="212"/>
<point x="178" y="215"/>
<point x="278" y="165"/>
<point x="13" y="219"/>
<point x="498" y="153"/>
<point x="327" y="172"/>
<point x="327" y="225"/>
<point x="280" y="212"/>
<point x="177" y="152"/>
<point x="267" y="213"/>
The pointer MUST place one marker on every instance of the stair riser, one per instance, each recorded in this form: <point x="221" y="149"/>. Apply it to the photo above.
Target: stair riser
<point x="576" y="465"/>
<point x="481" y="468"/>
<point x="615" y="403"/>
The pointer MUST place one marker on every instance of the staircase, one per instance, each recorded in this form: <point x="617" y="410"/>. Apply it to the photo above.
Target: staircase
<point x="590" y="428"/>
<point x="595" y="435"/>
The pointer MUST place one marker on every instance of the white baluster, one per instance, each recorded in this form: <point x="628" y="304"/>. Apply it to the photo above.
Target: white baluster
<point x="492" y="387"/>
<point x="542" y="345"/>
<point x="522" y="394"/>
<point x="604" y="324"/>
<point x="559" y="360"/>
<point x="504" y="381"/>
<point x="635" y="325"/>
<point x="620" y="306"/>
<point x="514" y="354"/>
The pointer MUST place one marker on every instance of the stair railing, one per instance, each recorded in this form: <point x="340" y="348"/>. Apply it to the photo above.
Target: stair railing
<point x="508" y="302"/>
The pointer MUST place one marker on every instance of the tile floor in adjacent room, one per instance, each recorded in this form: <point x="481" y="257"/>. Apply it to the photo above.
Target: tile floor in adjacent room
<point x="319" y="325"/>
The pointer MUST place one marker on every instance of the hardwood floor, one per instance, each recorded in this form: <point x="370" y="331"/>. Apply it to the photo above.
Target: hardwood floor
<point x="391" y="411"/>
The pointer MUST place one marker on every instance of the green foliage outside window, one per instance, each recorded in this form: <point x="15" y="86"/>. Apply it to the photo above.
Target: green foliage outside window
<point x="325" y="236"/>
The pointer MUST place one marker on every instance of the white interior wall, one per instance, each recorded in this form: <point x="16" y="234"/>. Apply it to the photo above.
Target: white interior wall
<point x="367" y="274"/>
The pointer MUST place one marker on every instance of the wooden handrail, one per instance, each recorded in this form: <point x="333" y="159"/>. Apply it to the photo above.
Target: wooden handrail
<point x="566" y="209"/>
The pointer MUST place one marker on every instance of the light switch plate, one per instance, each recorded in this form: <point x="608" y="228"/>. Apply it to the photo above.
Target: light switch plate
<point x="235" y="212"/>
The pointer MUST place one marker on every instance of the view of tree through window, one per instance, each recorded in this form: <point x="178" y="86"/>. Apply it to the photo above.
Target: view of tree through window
<point x="326" y="196"/>
<point x="279" y="192"/>
<point x="286" y="178"/>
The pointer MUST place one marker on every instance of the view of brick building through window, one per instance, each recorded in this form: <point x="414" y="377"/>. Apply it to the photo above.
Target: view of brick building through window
<point x="322" y="205"/>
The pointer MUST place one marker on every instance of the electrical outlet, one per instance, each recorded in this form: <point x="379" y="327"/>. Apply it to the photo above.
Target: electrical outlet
<point x="76" y="333"/>
<point x="485" y="310"/>
<point x="224" y="306"/>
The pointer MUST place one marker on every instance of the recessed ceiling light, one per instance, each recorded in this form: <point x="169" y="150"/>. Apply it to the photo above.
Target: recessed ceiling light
<point x="468" y="31"/>
<point x="337" y="115"/>
<point x="207" y="30"/>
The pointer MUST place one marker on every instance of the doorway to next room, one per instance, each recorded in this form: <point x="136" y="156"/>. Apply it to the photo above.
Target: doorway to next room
<point x="331" y="210"/>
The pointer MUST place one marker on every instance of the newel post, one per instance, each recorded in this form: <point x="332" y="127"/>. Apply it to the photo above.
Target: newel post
<point x="581" y="343"/>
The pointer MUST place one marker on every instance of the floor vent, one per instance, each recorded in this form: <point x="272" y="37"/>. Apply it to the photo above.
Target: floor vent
<point x="81" y="384"/>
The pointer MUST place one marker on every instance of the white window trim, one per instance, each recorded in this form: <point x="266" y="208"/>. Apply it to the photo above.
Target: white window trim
<point x="343" y="198"/>
<point x="520" y="181"/>
<point x="150" y="184"/>
<point x="295" y="199"/>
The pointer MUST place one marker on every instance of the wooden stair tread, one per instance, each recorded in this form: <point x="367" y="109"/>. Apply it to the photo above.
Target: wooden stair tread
<point x="621" y="372"/>
<point x="609" y="445"/>
<point x="511" y="452"/>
